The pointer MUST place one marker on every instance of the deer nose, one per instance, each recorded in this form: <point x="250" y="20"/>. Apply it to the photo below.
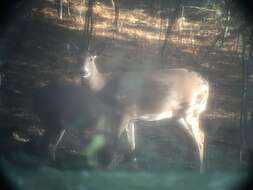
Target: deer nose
<point x="84" y="73"/>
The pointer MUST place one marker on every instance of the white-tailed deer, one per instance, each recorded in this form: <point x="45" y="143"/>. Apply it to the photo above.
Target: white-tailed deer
<point x="61" y="106"/>
<point x="151" y="96"/>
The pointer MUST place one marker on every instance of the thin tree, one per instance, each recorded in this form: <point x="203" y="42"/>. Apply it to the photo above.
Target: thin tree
<point x="88" y="24"/>
<point x="172" y="19"/>
<point x="244" y="94"/>
<point x="115" y="4"/>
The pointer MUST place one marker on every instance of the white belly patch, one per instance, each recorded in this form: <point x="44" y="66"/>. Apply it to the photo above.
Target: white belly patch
<point x="155" y="117"/>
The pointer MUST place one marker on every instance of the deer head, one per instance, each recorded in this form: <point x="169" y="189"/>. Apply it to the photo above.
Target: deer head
<point x="88" y="67"/>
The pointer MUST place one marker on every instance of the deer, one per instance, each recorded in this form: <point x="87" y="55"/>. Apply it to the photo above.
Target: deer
<point x="62" y="105"/>
<point x="151" y="96"/>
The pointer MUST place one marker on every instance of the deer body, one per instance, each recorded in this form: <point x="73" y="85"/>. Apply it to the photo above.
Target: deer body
<point x="152" y="96"/>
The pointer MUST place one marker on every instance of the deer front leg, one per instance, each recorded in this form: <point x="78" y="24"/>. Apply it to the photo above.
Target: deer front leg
<point x="53" y="149"/>
<point x="128" y="126"/>
<point x="117" y="155"/>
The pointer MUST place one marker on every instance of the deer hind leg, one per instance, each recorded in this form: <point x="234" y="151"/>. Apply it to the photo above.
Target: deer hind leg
<point x="132" y="139"/>
<point x="191" y="124"/>
<point x="130" y="130"/>
<point x="199" y="138"/>
<point x="191" y="119"/>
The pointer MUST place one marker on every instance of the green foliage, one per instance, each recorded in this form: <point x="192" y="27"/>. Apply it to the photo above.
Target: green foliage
<point x="96" y="144"/>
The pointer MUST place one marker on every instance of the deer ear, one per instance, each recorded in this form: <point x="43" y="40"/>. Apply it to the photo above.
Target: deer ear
<point x="73" y="48"/>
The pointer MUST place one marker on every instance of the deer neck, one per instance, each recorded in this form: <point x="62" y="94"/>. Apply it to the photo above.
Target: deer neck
<point x="97" y="80"/>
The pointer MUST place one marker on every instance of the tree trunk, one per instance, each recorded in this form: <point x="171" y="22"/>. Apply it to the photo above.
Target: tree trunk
<point x="115" y="4"/>
<point x="169" y="28"/>
<point x="88" y="25"/>
<point x="244" y="97"/>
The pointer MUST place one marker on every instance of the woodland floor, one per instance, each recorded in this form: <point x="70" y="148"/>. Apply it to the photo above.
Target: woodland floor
<point x="37" y="53"/>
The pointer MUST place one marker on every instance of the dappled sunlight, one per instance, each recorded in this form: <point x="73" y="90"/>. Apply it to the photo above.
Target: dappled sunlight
<point x="132" y="24"/>
<point x="139" y="26"/>
<point x="50" y="12"/>
<point x="140" y="34"/>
